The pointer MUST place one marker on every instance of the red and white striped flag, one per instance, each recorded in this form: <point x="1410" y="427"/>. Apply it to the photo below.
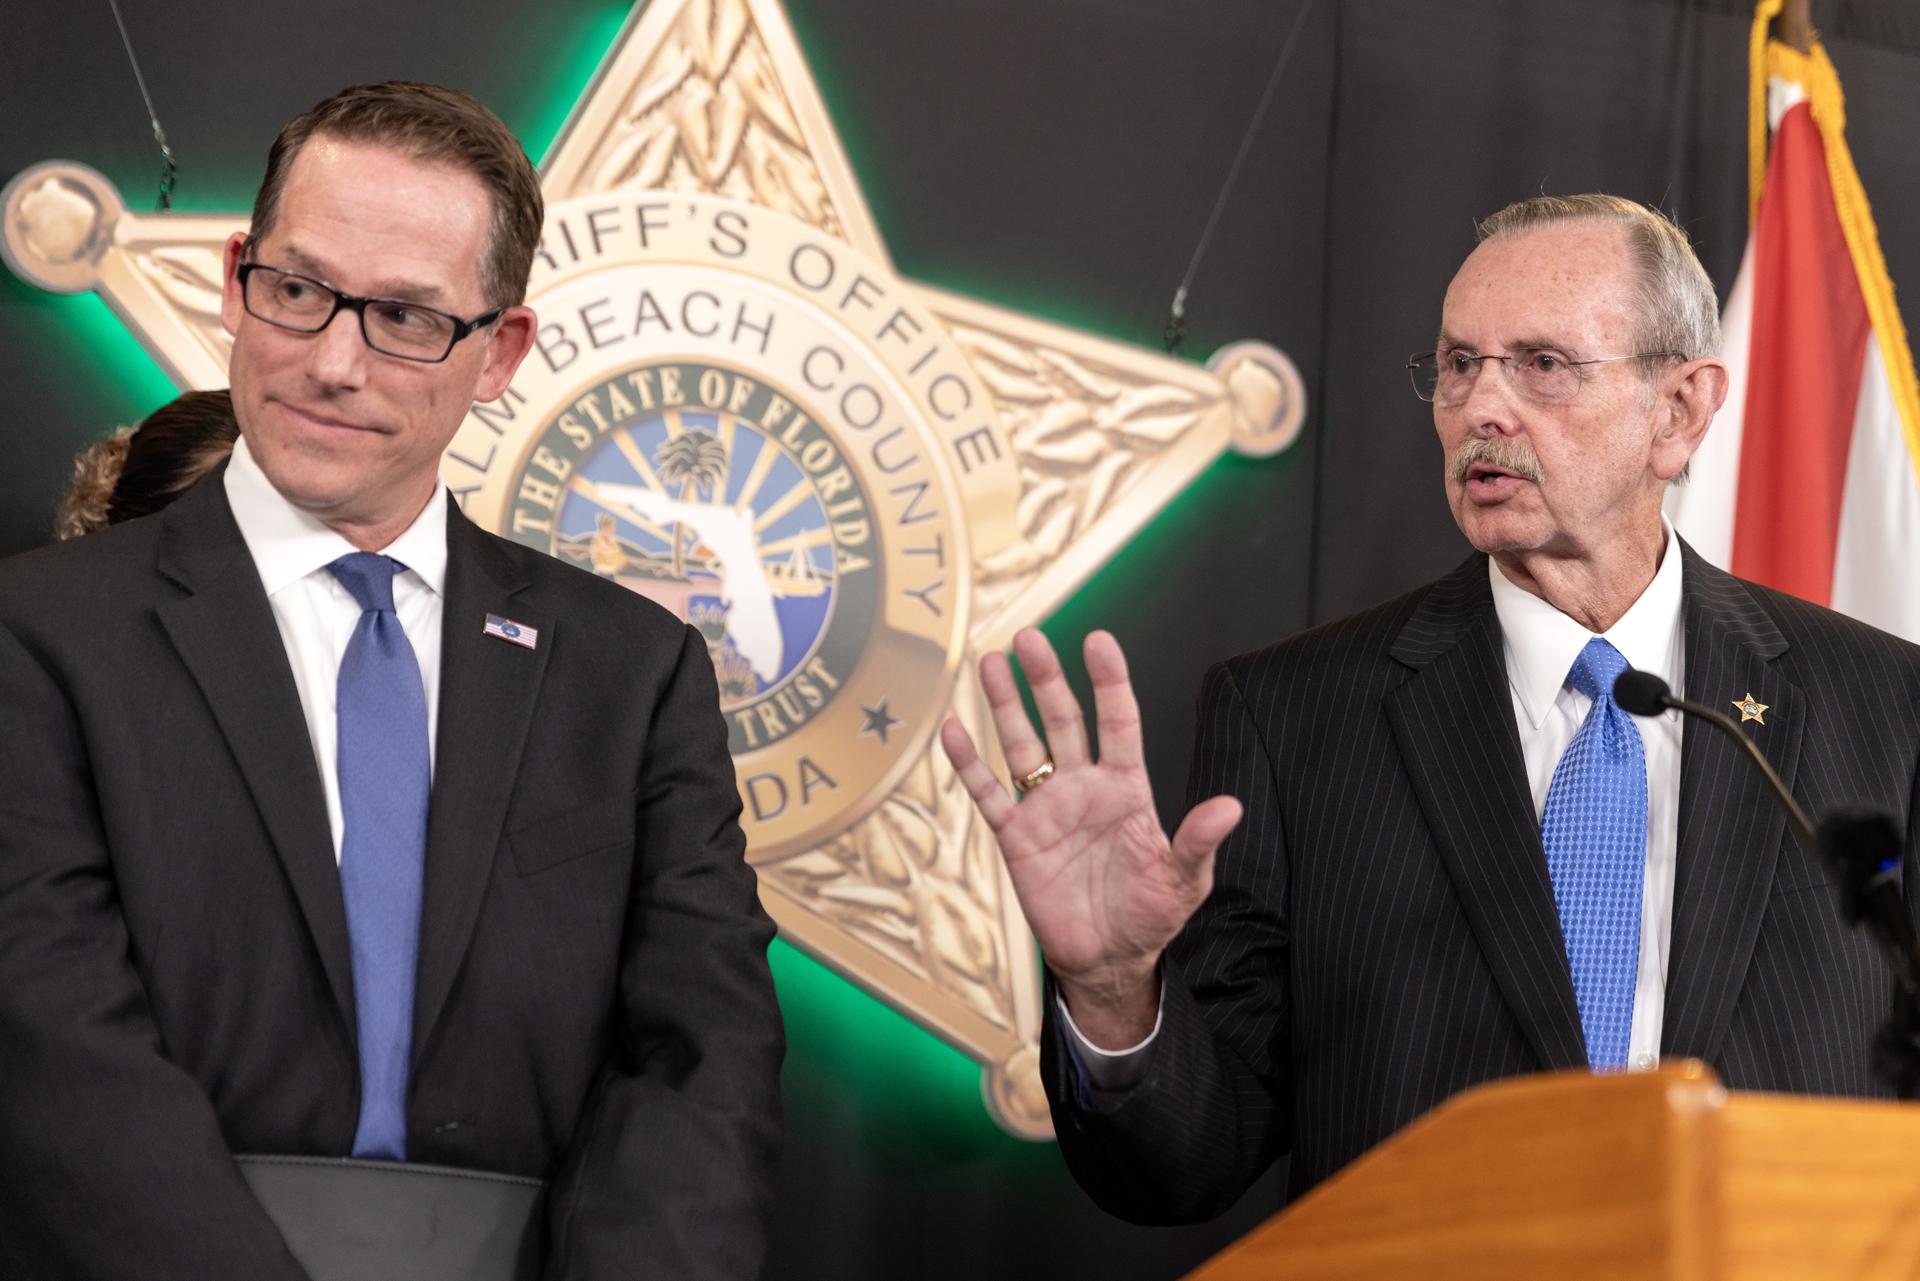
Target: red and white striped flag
<point x="1809" y="480"/>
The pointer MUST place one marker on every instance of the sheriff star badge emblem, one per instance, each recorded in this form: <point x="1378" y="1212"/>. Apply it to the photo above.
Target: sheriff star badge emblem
<point x="851" y="483"/>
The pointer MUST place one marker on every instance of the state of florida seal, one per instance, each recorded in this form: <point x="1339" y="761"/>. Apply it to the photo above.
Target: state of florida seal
<point x="746" y="422"/>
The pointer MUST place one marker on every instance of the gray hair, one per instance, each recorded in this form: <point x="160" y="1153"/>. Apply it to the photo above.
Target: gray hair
<point x="1678" y="310"/>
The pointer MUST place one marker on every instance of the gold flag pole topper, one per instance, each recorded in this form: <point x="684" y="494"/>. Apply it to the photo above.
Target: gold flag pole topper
<point x="851" y="483"/>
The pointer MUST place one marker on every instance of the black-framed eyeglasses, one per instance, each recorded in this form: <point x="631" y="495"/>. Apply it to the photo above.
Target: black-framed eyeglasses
<point x="391" y="326"/>
<point x="1541" y="374"/>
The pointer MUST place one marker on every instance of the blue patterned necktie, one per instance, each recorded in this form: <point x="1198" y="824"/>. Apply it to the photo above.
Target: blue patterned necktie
<point x="384" y="779"/>
<point x="1595" y="833"/>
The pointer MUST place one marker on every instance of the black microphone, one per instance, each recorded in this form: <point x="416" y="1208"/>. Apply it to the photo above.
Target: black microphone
<point x="1641" y="693"/>
<point x="1863" y="848"/>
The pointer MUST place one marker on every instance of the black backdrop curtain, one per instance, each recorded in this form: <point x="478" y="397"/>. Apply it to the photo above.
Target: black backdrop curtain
<point x="1059" y="157"/>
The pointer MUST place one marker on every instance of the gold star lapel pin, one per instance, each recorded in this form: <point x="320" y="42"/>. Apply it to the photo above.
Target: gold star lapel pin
<point x="1750" y="710"/>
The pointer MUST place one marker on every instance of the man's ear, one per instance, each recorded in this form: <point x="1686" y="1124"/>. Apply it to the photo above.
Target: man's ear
<point x="232" y="305"/>
<point x="508" y="341"/>
<point x="1689" y="396"/>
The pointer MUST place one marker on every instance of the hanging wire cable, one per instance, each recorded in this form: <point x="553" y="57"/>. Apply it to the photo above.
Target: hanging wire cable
<point x="153" y="117"/>
<point x="1177" y="314"/>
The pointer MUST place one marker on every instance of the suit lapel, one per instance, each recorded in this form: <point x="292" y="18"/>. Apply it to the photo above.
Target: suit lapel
<point x="225" y="633"/>
<point x="488" y="688"/>
<point x="1730" y="826"/>
<point x="1453" y="721"/>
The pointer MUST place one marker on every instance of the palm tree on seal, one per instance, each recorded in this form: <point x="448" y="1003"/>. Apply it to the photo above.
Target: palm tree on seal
<point x="695" y="461"/>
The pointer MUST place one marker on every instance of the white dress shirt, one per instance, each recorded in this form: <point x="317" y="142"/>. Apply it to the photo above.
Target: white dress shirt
<point x="291" y="549"/>
<point x="1539" y="647"/>
<point x="1541" y="644"/>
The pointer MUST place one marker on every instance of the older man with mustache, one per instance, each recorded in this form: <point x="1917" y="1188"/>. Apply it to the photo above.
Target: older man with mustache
<point x="1393" y="882"/>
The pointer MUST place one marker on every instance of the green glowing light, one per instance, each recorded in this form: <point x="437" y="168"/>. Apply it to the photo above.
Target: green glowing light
<point x="592" y="44"/>
<point x="1114" y="588"/>
<point x="876" y="1052"/>
<point x="100" y="342"/>
<point x="852" y="128"/>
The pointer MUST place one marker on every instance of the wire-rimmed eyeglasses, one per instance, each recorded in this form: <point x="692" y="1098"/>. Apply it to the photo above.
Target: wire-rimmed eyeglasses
<point x="1541" y="374"/>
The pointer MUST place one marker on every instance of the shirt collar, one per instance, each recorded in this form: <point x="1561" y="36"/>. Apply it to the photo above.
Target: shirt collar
<point x="288" y="544"/>
<point x="1541" y="642"/>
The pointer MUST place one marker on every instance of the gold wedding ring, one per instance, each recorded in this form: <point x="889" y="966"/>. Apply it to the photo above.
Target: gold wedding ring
<point x="1033" y="777"/>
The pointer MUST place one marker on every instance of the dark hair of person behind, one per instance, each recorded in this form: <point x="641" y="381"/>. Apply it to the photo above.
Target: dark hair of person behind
<point x="434" y="124"/>
<point x="139" y="470"/>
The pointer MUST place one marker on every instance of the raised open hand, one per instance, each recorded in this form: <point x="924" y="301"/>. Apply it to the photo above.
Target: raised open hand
<point x="1101" y="884"/>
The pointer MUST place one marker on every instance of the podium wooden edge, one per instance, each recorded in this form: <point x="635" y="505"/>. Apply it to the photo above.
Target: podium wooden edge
<point x="1663" y="1174"/>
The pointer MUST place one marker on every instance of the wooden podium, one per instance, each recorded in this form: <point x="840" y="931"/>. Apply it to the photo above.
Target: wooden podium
<point x="1657" y="1175"/>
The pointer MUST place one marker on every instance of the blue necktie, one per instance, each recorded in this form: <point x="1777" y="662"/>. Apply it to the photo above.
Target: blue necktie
<point x="383" y="800"/>
<point x="1595" y="833"/>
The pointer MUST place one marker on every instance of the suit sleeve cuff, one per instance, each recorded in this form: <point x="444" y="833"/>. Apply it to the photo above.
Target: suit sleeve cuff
<point x="1099" y="1074"/>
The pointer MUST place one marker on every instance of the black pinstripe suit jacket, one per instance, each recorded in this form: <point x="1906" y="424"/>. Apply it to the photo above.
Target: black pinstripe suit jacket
<point x="1382" y="931"/>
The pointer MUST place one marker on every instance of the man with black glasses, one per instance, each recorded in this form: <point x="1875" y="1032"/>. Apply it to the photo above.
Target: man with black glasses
<point x="1424" y="847"/>
<point x="327" y="829"/>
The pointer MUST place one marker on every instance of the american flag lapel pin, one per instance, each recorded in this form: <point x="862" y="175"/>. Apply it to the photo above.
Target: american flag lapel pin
<point x="508" y="630"/>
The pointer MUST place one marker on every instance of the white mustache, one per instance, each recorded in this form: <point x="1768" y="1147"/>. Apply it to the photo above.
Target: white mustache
<point x="1495" y="451"/>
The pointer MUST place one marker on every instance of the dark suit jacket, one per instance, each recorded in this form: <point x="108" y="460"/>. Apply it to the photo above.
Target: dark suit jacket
<point x="593" y="1003"/>
<point x="1382" y="931"/>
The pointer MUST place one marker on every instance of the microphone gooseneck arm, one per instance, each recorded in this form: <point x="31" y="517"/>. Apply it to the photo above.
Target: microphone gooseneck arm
<point x="1803" y="826"/>
<point x="1861" y="850"/>
<point x="1644" y="694"/>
